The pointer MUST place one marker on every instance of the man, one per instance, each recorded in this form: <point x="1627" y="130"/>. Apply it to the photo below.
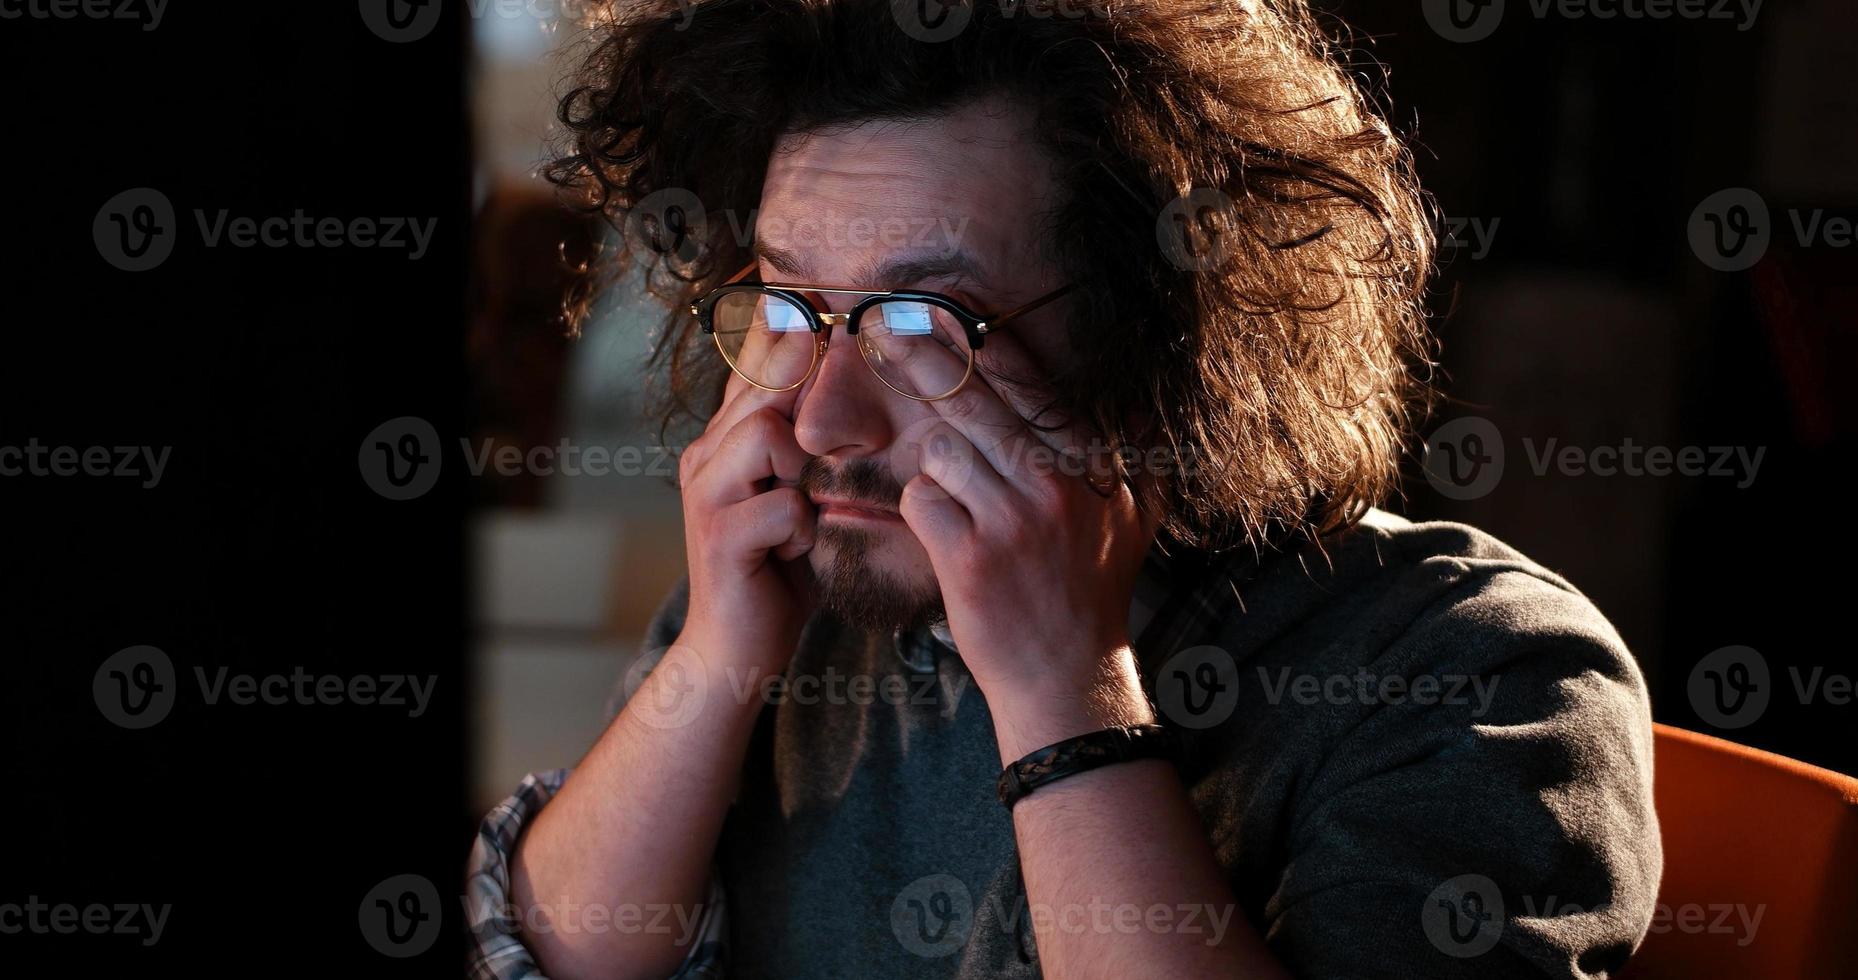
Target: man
<point x="1039" y="618"/>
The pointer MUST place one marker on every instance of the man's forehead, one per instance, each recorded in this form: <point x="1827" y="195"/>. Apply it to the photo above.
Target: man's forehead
<point x="958" y="184"/>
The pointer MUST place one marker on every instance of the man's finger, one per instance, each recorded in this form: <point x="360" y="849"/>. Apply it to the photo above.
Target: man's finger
<point x="781" y="521"/>
<point x="1004" y="364"/>
<point x="937" y="520"/>
<point x="759" y="448"/>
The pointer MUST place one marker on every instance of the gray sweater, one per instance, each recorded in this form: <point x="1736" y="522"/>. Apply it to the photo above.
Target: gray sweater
<point x="1416" y="753"/>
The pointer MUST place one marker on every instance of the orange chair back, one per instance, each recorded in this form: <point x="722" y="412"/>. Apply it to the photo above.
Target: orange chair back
<point x="1760" y="864"/>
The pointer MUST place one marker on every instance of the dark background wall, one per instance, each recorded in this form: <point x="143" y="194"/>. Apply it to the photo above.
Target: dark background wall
<point x="1593" y="146"/>
<point x="261" y="549"/>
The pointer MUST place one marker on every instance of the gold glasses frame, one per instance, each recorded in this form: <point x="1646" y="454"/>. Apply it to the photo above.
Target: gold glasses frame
<point x="974" y="326"/>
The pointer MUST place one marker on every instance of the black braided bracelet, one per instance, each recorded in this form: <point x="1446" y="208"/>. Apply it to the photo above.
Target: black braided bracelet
<point x="1084" y="753"/>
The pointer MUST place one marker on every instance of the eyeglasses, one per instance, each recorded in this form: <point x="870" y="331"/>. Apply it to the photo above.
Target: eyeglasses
<point x="920" y="344"/>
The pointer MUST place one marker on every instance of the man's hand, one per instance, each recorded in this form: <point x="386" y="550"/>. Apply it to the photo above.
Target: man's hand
<point x="1037" y="569"/>
<point x="745" y="520"/>
<point x="1037" y="556"/>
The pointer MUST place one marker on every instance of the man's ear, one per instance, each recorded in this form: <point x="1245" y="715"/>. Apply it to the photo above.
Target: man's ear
<point x="1141" y="426"/>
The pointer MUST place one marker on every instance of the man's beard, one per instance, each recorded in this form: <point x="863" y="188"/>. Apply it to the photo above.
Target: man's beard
<point x="849" y="582"/>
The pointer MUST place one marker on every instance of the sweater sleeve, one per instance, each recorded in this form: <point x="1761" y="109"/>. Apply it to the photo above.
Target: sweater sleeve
<point x="1500" y="826"/>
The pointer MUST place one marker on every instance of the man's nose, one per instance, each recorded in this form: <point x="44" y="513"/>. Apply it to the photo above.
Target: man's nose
<point x="841" y="410"/>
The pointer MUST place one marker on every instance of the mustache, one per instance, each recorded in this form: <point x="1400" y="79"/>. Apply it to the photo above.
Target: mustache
<point x="863" y="480"/>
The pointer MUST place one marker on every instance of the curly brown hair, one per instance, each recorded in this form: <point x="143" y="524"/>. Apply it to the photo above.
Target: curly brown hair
<point x="1291" y="364"/>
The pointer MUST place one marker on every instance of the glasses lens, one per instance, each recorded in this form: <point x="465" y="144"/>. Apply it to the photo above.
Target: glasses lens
<point x="919" y="349"/>
<point x="767" y="339"/>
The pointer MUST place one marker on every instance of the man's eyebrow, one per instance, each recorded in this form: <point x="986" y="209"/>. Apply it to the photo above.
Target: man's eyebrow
<point x="903" y="270"/>
<point x="897" y="271"/>
<point x="783" y="261"/>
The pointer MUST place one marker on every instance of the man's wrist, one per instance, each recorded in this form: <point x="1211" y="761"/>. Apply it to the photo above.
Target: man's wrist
<point x="1036" y="715"/>
<point x="1083" y="754"/>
